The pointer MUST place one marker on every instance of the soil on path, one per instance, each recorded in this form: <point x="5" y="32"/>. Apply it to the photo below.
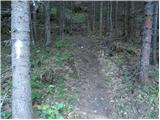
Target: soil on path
<point x="94" y="100"/>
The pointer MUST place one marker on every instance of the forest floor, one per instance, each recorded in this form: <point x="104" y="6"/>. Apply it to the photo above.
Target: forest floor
<point x="81" y="78"/>
<point x="107" y="88"/>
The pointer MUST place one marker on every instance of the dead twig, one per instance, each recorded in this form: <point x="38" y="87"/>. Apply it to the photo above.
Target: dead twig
<point x="2" y="100"/>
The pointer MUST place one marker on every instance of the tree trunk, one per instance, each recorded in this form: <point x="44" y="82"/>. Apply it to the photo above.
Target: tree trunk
<point x="116" y="17"/>
<point x="71" y="19"/>
<point x="0" y="69"/>
<point x="110" y="19"/>
<point x="132" y="20"/>
<point x="101" y="18"/>
<point x="31" y="30"/>
<point x="93" y="16"/>
<point x="20" y="35"/>
<point x="129" y="21"/>
<point x="125" y="18"/>
<point x="154" y="36"/>
<point x="47" y="24"/>
<point x="89" y="17"/>
<point x="35" y="23"/>
<point x="62" y="16"/>
<point x="61" y="20"/>
<point x="146" y="41"/>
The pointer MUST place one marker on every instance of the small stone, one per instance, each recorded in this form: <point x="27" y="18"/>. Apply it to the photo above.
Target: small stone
<point x="95" y="111"/>
<point x="125" y="113"/>
<point x="112" y="101"/>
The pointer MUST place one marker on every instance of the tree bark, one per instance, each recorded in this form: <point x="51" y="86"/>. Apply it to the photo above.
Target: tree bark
<point x="61" y="20"/>
<point x="116" y="17"/>
<point x="93" y="16"/>
<point x="132" y="20"/>
<point x="0" y="62"/>
<point x="71" y="18"/>
<point x="129" y="21"/>
<point x="110" y="19"/>
<point x="101" y="18"/>
<point x="126" y="19"/>
<point x="20" y="35"/>
<point x="35" y="23"/>
<point x="32" y="34"/>
<point x="146" y="41"/>
<point x="89" y="16"/>
<point x="31" y="30"/>
<point x="154" y="36"/>
<point x="47" y="24"/>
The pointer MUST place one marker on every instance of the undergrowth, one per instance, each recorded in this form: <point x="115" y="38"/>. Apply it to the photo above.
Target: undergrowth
<point x="50" y="66"/>
<point x="134" y="100"/>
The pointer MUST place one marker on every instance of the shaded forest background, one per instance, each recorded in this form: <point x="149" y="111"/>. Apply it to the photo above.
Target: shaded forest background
<point x="69" y="41"/>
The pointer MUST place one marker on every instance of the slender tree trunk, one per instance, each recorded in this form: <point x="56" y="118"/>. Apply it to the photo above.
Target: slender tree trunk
<point x="88" y="23"/>
<point x="89" y="17"/>
<point x="32" y="34"/>
<point x="0" y="69"/>
<point x="61" y="20"/>
<point x="154" y="36"/>
<point x="116" y="17"/>
<point x="129" y="21"/>
<point x="132" y="8"/>
<point x="35" y="23"/>
<point x="101" y="18"/>
<point x="132" y="20"/>
<point x="47" y="24"/>
<point x="125" y="18"/>
<point x="110" y="19"/>
<point x="93" y="16"/>
<point x="31" y="29"/>
<point x="146" y="41"/>
<point x="62" y="16"/>
<point x="71" y="19"/>
<point x="20" y="34"/>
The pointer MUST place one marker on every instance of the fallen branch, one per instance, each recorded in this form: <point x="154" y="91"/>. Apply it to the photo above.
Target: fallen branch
<point x="5" y="71"/>
<point x="2" y="100"/>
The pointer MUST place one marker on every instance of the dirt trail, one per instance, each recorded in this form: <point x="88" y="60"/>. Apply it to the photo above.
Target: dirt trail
<point x="94" y="96"/>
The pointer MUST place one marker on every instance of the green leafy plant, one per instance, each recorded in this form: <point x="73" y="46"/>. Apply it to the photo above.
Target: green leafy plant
<point x="154" y="89"/>
<point x="36" y="95"/>
<point x="50" y="89"/>
<point x="5" y="115"/>
<point x="35" y="85"/>
<point x="51" y="112"/>
<point x="34" y="77"/>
